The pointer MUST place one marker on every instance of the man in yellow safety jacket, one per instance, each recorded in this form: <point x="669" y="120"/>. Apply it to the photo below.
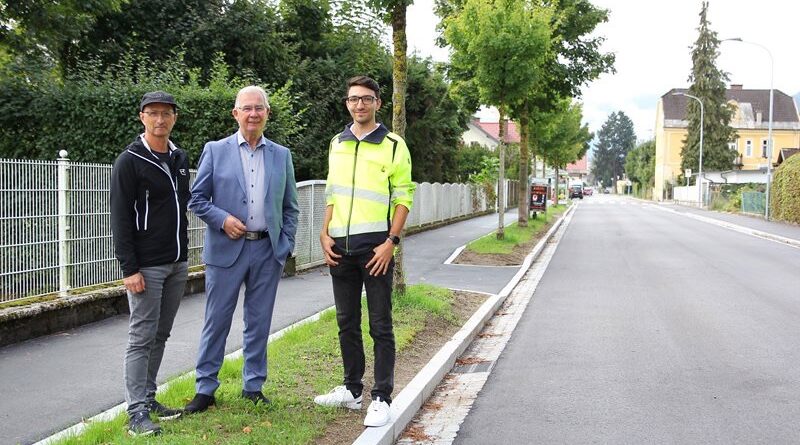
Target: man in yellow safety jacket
<point x="368" y="194"/>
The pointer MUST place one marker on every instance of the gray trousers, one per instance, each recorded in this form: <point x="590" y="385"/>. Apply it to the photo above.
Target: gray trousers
<point x="152" y="314"/>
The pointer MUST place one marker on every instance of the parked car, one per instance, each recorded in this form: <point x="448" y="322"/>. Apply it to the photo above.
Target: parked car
<point x="576" y="191"/>
<point x="587" y="191"/>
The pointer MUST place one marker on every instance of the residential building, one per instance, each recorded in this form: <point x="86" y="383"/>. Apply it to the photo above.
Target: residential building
<point x="786" y="153"/>
<point x="487" y="135"/>
<point x="750" y="119"/>
<point x="579" y="169"/>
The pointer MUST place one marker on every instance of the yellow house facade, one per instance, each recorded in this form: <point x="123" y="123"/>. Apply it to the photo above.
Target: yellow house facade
<point x="750" y="119"/>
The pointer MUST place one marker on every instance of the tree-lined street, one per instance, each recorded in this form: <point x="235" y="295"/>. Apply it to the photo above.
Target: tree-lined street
<point x="648" y="322"/>
<point x="651" y="327"/>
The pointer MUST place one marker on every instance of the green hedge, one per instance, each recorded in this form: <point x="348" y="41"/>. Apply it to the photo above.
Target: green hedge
<point x="95" y="117"/>
<point x="93" y="113"/>
<point x="785" y="196"/>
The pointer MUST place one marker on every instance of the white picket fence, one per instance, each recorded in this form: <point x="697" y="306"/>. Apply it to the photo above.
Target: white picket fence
<point x="55" y="228"/>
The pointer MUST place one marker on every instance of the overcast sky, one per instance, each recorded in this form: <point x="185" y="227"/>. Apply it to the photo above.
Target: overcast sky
<point x="652" y="40"/>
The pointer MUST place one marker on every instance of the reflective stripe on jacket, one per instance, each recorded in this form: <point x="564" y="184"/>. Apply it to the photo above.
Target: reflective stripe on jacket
<point x="367" y="179"/>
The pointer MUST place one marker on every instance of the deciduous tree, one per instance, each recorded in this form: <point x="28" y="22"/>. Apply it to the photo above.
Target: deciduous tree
<point x="502" y="46"/>
<point x="640" y="164"/>
<point x="42" y="29"/>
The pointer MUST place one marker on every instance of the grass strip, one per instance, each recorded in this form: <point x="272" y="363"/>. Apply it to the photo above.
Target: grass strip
<point x="515" y="235"/>
<point x="27" y="301"/>
<point x="304" y="362"/>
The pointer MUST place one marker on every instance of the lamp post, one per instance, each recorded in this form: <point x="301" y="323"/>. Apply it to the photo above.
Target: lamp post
<point x="700" y="199"/>
<point x="769" y="124"/>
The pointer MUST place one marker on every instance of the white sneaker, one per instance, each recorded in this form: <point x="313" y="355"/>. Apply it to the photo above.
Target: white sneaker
<point x="339" y="397"/>
<point x="377" y="414"/>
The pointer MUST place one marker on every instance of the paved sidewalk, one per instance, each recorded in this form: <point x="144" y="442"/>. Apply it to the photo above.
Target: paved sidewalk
<point x="50" y="383"/>
<point x="750" y="222"/>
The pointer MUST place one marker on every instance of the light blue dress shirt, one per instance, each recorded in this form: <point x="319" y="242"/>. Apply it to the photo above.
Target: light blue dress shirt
<point x="254" y="174"/>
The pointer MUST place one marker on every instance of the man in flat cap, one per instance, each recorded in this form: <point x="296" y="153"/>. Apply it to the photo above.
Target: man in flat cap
<point x="149" y="195"/>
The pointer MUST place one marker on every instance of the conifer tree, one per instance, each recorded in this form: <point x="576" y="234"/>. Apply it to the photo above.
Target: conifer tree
<point x="614" y="140"/>
<point x="708" y="84"/>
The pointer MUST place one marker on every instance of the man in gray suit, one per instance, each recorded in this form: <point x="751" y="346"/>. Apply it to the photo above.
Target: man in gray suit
<point x="245" y="192"/>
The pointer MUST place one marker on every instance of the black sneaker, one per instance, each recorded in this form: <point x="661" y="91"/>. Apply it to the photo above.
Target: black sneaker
<point x="162" y="412"/>
<point x="141" y="425"/>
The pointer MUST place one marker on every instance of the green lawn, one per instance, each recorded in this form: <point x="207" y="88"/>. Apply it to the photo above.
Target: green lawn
<point x="302" y="363"/>
<point x="514" y="235"/>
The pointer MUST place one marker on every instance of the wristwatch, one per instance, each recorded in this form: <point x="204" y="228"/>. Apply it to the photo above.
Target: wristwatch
<point x="394" y="239"/>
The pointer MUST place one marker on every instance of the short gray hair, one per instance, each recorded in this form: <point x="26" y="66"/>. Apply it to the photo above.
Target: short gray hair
<point x="252" y="89"/>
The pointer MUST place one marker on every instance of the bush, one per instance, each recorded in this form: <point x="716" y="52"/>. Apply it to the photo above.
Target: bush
<point x="95" y="115"/>
<point x="728" y="197"/>
<point x="785" y="197"/>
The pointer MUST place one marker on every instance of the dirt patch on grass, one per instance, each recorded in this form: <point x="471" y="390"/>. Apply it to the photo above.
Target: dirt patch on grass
<point x="515" y="258"/>
<point x="348" y="425"/>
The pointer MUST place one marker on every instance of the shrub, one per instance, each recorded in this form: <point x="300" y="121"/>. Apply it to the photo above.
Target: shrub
<point x="785" y="196"/>
<point x="95" y="115"/>
<point x="728" y="197"/>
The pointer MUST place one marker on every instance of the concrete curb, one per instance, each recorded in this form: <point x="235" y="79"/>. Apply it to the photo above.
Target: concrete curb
<point x="416" y="392"/>
<point x="736" y="228"/>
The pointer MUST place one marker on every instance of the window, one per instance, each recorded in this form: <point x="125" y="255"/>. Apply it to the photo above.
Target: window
<point x="732" y="146"/>
<point x="748" y="148"/>
<point x="763" y="148"/>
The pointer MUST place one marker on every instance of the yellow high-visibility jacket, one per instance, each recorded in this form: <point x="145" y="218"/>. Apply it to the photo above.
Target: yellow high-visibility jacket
<point x="367" y="179"/>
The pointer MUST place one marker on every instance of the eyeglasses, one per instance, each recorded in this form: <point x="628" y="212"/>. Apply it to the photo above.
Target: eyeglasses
<point x="157" y="114"/>
<point x="249" y="109"/>
<point x="368" y="100"/>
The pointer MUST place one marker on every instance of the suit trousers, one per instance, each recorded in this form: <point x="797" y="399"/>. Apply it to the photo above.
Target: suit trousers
<point x="348" y="279"/>
<point x="152" y="314"/>
<point x="257" y="269"/>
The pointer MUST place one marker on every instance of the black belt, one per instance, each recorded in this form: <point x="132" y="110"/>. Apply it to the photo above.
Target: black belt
<point x="252" y="236"/>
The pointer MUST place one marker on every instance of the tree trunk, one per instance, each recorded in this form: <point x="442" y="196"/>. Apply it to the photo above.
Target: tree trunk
<point x="558" y="189"/>
<point x="501" y="186"/>
<point x="399" y="85"/>
<point x="523" y="195"/>
<point x="399" y="68"/>
<point x="544" y="167"/>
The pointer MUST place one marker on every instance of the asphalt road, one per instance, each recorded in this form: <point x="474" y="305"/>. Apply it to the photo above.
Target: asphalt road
<point x="649" y="327"/>
<point x="50" y="383"/>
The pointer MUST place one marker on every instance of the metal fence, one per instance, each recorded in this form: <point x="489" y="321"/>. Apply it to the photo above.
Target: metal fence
<point x="55" y="226"/>
<point x="753" y="202"/>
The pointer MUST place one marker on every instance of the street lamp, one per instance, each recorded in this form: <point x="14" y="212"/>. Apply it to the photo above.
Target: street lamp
<point x="700" y="199"/>
<point x="769" y="125"/>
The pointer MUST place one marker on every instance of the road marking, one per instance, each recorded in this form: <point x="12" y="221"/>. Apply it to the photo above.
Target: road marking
<point x="735" y="227"/>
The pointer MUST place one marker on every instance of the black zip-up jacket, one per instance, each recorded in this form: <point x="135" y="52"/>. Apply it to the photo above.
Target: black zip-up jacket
<point x="148" y="208"/>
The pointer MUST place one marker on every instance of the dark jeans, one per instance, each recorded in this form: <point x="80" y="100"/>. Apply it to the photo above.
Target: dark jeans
<point x="348" y="278"/>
